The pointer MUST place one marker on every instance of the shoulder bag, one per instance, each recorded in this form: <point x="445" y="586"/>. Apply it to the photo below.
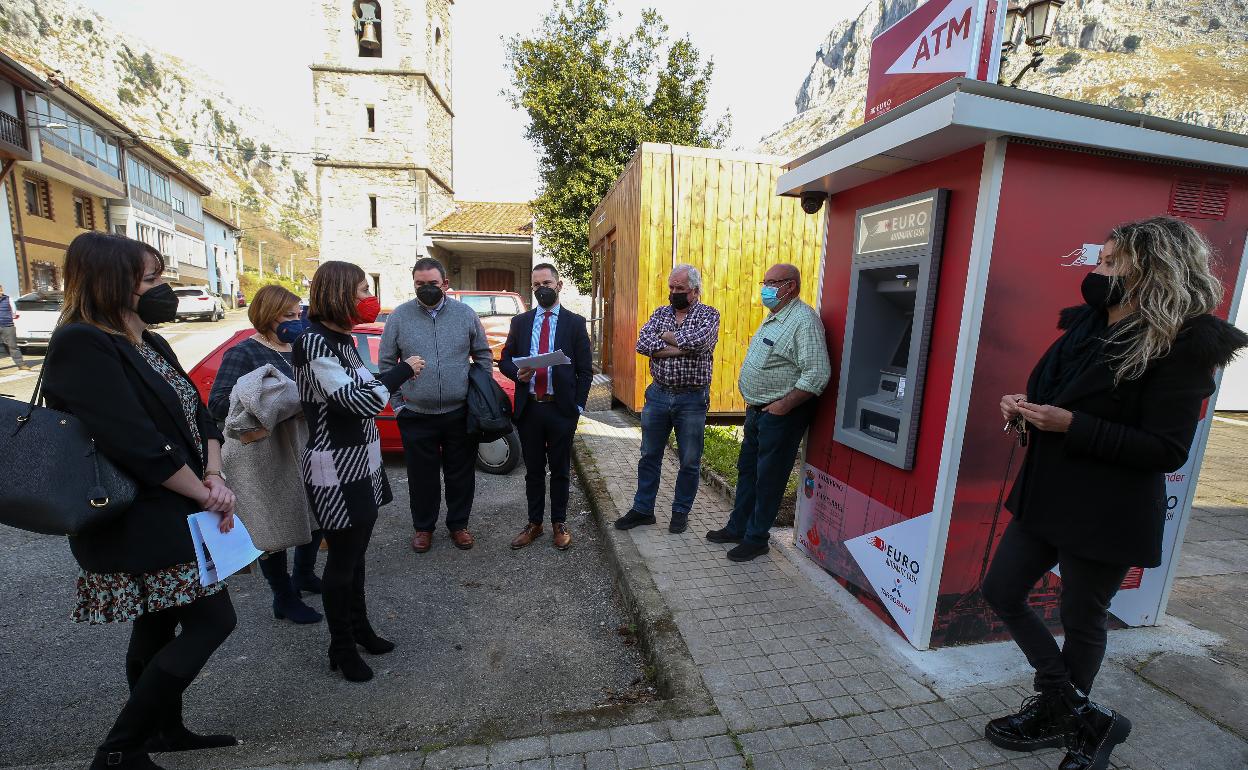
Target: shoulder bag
<point x="53" y="480"/>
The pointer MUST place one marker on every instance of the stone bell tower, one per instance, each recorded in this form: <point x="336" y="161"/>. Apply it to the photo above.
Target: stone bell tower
<point x="381" y="89"/>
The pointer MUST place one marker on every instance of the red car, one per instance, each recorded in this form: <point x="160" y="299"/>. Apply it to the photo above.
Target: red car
<point x="500" y="456"/>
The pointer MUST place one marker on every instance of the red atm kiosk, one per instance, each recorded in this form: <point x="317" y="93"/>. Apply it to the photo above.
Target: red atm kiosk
<point x="958" y="225"/>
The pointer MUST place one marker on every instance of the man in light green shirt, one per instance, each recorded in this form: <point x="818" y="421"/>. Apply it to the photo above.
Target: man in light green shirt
<point x="785" y="367"/>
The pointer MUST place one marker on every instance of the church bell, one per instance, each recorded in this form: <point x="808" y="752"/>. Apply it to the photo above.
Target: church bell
<point x="366" y="26"/>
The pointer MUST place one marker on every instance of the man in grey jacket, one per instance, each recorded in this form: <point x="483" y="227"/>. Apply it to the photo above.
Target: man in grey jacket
<point x="432" y="408"/>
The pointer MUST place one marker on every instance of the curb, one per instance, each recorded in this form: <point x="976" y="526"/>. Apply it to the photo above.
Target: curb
<point x="675" y="674"/>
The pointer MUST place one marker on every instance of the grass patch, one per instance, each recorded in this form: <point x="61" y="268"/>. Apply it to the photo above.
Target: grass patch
<point x="720" y="450"/>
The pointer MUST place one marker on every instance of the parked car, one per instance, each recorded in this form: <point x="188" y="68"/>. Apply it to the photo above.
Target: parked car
<point x="498" y="457"/>
<point x="198" y="302"/>
<point x="239" y="299"/>
<point x="35" y="316"/>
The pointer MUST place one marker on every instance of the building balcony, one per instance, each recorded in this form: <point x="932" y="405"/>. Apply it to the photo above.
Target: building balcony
<point x="14" y="140"/>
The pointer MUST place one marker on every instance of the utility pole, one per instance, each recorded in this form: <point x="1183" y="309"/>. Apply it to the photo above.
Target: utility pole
<point x="260" y="259"/>
<point x="291" y="267"/>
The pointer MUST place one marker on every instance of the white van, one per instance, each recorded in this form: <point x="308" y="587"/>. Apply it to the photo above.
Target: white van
<point x="35" y="316"/>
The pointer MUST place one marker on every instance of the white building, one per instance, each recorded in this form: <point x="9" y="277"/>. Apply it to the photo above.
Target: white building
<point x="382" y="94"/>
<point x="221" y="251"/>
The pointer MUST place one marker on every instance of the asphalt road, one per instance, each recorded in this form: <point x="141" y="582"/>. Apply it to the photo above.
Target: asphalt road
<point x="491" y="643"/>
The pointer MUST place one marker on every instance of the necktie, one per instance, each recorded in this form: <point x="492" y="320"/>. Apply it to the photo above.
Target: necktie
<point x="543" y="346"/>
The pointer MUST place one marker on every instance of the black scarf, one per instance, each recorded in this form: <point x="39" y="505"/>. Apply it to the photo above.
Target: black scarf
<point x="1072" y="354"/>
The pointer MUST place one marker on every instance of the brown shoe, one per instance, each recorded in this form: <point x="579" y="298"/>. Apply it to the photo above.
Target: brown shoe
<point x="422" y="541"/>
<point x="562" y="537"/>
<point x="462" y="539"/>
<point x="527" y="535"/>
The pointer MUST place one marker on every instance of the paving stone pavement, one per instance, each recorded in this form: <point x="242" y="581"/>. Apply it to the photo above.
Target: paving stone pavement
<point x="798" y="684"/>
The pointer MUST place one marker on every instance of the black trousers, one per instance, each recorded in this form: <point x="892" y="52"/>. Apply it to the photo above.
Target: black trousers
<point x="546" y="438"/>
<point x="342" y="583"/>
<point x="1088" y="587"/>
<point x="161" y="663"/>
<point x="437" y="446"/>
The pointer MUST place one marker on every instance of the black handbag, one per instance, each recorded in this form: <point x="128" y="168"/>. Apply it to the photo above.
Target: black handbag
<point x="53" y="480"/>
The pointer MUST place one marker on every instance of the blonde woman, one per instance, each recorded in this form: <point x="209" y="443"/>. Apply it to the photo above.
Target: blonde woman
<point x="1109" y="410"/>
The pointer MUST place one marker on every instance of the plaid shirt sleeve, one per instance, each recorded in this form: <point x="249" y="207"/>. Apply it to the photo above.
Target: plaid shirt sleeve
<point x="811" y="351"/>
<point x="700" y="331"/>
<point x="234" y="364"/>
<point x="648" y="340"/>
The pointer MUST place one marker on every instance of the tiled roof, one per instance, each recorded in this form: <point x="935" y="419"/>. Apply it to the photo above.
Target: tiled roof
<point x="487" y="219"/>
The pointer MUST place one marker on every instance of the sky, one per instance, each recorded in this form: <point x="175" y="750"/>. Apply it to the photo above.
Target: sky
<point x="762" y="53"/>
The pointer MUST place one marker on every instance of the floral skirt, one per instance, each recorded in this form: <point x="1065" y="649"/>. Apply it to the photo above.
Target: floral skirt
<point x="115" y="597"/>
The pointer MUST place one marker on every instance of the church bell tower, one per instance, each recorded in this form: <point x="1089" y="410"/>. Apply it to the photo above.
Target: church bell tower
<point x="381" y="89"/>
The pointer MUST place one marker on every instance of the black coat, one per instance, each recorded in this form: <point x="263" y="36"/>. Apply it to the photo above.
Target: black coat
<point x="571" y="383"/>
<point x="1098" y="491"/>
<point x="137" y="421"/>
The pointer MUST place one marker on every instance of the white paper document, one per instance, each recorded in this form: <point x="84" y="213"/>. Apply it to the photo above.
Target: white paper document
<point x="555" y="358"/>
<point x="220" y="554"/>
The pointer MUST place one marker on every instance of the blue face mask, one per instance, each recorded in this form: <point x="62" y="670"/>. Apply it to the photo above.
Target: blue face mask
<point x="770" y="296"/>
<point x="289" y="331"/>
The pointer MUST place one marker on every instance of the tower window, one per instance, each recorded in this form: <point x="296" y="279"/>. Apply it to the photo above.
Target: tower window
<point x="372" y="210"/>
<point x="372" y="119"/>
<point x="366" y="15"/>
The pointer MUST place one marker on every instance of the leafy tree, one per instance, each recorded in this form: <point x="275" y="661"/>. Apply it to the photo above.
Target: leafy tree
<point x="592" y="98"/>
<point x="181" y="147"/>
<point x="1130" y="43"/>
<point x="247" y="150"/>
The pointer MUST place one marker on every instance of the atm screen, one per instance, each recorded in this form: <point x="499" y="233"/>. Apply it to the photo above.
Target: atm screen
<point x="901" y="356"/>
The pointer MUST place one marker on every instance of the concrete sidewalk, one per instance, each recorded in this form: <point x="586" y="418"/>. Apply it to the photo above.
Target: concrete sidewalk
<point x="801" y="681"/>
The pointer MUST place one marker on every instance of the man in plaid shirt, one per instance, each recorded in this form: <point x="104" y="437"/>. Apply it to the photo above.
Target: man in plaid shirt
<point x="785" y="368"/>
<point x="680" y="341"/>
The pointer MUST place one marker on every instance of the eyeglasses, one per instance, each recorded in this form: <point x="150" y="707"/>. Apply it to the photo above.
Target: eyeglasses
<point x="775" y="282"/>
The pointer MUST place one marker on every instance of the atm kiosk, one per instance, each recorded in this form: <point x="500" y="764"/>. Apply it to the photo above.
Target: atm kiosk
<point x="958" y="225"/>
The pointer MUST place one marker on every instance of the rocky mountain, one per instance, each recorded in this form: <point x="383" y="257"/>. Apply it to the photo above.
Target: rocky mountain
<point x="1180" y="59"/>
<point x="191" y="118"/>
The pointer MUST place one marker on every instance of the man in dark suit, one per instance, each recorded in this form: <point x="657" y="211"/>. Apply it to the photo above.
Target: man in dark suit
<point x="549" y="401"/>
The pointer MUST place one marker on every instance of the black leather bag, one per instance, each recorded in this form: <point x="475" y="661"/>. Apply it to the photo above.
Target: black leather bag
<point x="53" y="480"/>
<point x="489" y="409"/>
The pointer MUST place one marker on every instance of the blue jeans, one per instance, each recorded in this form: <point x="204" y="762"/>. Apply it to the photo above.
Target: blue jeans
<point x="768" y="450"/>
<point x="665" y="410"/>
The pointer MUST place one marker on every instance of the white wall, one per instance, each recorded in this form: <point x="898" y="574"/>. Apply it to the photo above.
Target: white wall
<point x="8" y="253"/>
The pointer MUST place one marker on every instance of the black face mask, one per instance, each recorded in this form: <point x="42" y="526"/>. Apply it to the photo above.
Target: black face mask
<point x="679" y="301"/>
<point x="1100" y="292"/>
<point x="546" y="296"/>
<point x="429" y="294"/>
<point x="158" y="305"/>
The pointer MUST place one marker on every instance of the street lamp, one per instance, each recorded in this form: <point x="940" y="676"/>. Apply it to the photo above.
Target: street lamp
<point x="260" y="259"/>
<point x="1038" y="17"/>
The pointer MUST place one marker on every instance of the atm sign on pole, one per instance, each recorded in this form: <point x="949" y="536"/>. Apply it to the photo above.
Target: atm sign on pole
<point x="938" y="41"/>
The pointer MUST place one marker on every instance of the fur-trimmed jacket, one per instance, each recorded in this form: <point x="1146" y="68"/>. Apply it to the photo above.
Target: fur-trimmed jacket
<point x="1098" y="491"/>
<point x="265" y="412"/>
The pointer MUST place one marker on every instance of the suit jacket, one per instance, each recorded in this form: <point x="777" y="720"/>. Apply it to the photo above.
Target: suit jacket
<point x="1098" y="491"/>
<point x="137" y="422"/>
<point x="571" y="383"/>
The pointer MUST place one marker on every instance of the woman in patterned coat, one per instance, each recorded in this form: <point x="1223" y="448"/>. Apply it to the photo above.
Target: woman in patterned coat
<point x="342" y="466"/>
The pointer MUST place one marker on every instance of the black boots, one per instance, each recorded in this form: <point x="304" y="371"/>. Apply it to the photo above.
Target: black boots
<point x="122" y="760"/>
<point x="342" y="653"/>
<point x="1062" y="716"/>
<point x="1097" y="731"/>
<point x="634" y="519"/>
<point x="361" y="629"/>
<point x="303" y="576"/>
<point x="286" y="602"/>
<point x="1042" y="723"/>
<point x="171" y="734"/>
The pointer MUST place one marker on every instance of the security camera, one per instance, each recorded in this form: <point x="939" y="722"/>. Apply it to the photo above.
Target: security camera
<point x="812" y="201"/>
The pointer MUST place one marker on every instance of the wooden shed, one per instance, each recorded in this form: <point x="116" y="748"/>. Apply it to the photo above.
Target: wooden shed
<point x="722" y="216"/>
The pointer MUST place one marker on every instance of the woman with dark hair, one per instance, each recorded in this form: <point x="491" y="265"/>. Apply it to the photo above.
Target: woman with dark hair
<point x="126" y="386"/>
<point x="342" y="467"/>
<point x="274" y="313"/>
<point x="1109" y="410"/>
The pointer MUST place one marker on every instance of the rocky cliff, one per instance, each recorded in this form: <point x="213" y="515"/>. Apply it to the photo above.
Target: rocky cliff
<point x="191" y="118"/>
<point x="1180" y="59"/>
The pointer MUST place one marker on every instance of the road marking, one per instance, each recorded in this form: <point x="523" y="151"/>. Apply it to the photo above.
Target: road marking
<point x="14" y="377"/>
<point x="1240" y="423"/>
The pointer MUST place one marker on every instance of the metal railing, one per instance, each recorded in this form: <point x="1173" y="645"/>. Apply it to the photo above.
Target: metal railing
<point x="13" y="131"/>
